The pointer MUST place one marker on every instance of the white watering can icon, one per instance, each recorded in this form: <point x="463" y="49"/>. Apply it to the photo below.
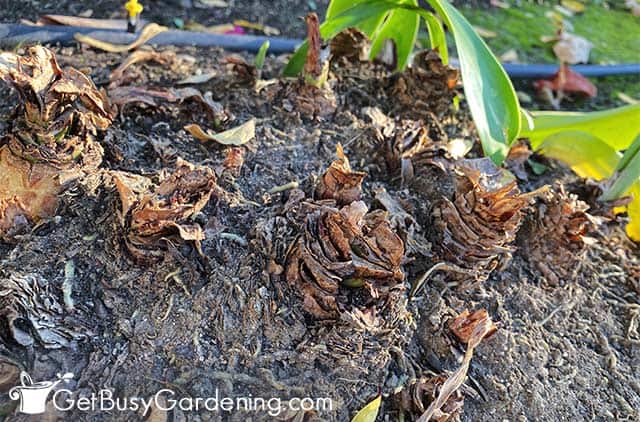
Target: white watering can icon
<point x="33" y="396"/>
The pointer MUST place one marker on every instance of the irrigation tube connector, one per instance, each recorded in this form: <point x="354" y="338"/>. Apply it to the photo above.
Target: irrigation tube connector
<point x="12" y="35"/>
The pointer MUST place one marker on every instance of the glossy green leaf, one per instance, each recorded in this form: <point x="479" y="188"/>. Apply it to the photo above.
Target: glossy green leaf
<point x="369" y="26"/>
<point x="437" y="37"/>
<point x="401" y="26"/>
<point x="369" y="413"/>
<point x="488" y="90"/>
<point x="627" y="173"/>
<point x="617" y="127"/>
<point x="594" y="158"/>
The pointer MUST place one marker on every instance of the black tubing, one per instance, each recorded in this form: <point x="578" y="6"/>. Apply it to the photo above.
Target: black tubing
<point x="17" y="34"/>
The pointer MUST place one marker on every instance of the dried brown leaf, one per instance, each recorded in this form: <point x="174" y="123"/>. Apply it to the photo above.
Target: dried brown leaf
<point x="151" y="212"/>
<point x="344" y="251"/>
<point x="237" y="136"/>
<point x="340" y="182"/>
<point x="464" y="324"/>
<point x="449" y="387"/>
<point x="161" y="57"/>
<point x="558" y="233"/>
<point x="147" y="33"/>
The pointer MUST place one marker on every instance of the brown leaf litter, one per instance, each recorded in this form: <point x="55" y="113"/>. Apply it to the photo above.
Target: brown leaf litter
<point x="441" y="397"/>
<point x="51" y="139"/>
<point x="557" y="232"/>
<point x="152" y="212"/>
<point x="478" y="226"/>
<point x="340" y="182"/>
<point x="347" y="259"/>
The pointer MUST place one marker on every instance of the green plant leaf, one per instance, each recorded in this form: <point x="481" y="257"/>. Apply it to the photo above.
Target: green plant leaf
<point x="488" y="90"/>
<point x="351" y="18"/>
<point x="627" y="173"/>
<point x="594" y="158"/>
<point x="369" y="413"/>
<point x="401" y="26"/>
<point x="262" y="54"/>
<point x="617" y="127"/>
<point x="437" y="37"/>
<point x="368" y="26"/>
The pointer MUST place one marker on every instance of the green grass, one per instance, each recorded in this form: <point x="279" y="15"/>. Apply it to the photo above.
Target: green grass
<point x="614" y="33"/>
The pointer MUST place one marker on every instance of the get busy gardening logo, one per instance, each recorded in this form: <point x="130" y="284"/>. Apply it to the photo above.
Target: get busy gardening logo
<point x="33" y="397"/>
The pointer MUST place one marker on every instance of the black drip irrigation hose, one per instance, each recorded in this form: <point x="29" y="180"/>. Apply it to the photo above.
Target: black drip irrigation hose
<point x="12" y="35"/>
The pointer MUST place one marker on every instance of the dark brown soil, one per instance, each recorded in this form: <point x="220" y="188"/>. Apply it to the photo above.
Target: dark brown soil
<point x="226" y="321"/>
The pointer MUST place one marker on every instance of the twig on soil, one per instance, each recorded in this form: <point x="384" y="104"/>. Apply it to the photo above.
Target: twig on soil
<point x="69" y="275"/>
<point x="291" y="185"/>
<point x="440" y="266"/>
<point x="166" y="314"/>
<point x="564" y="306"/>
<point x="235" y="238"/>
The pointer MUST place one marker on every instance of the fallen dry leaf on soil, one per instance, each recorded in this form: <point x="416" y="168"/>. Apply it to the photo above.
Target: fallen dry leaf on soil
<point x="478" y="226"/>
<point x="162" y="57"/>
<point x="147" y="33"/>
<point x="237" y="136"/>
<point x="572" y="49"/>
<point x="464" y="324"/>
<point x="568" y="81"/>
<point x="149" y="212"/>
<point x="52" y="132"/>
<point x="438" y="407"/>
<point x="340" y="182"/>
<point x="417" y="396"/>
<point x="123" y="95"/>
<point x="559" y="229"/>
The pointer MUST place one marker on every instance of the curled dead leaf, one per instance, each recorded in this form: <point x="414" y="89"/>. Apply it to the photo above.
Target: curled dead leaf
<point x="237" y="136"/>
<point x="437" y="408"/>
<point x="405" y="147"/>
<point x="151" y="212"/>
<point x="464" y="324"/>
<point x="347" y="260"/>
<point x="416" y="397"/>
<point x="568" y="81"/>
<point x="479" y="225"/>
<point x="351" y="45"/>
<point x="340" y="182"/>
<point x="147" y="33"/>
<point x="162" y="57"/>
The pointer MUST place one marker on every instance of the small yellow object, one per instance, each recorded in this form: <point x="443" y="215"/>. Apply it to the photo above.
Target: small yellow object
<point x="133" y="8"/>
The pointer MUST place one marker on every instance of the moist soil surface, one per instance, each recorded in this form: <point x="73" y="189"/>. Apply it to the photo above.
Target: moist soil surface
<point x="224" y="318"/>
